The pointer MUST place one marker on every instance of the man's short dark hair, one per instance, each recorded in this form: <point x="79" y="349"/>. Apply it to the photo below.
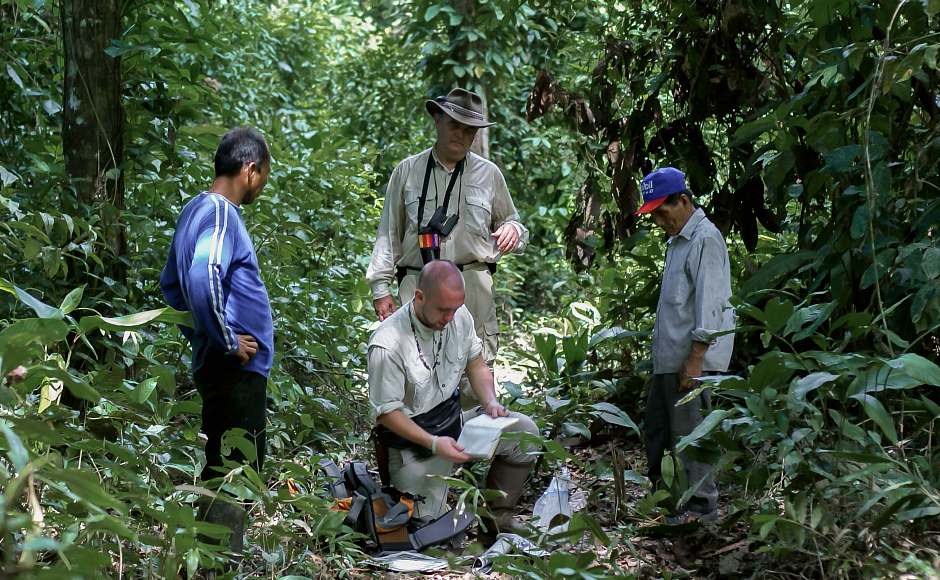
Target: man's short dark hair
<point x="238" y="148"/>
<point x="673" y="198"/>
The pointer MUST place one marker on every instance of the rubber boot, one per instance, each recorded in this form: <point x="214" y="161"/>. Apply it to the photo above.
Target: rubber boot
<point x="509" y="478"/>
<point x="231" y="516"/>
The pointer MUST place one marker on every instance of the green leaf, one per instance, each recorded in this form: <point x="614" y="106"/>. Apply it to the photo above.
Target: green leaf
<point x="931" y="262"/>
<point x="110" y="377"/>
<point x="754" y="129"/>
<point x="84" y="485"/>
<point x="809" y="383"/>
<point x="923" y="297"/>
<point x="612" y="414"/>
<point x="711" y="420"/>
<point x="137" y="320"/>
<point x="779" y="265"/>
<point x="881" y="180"/>
<point x="145" y="389"/>
<point x="14" y="76"/>
<point x="22" y="341"/>
<point x="823" y="315"/>
<point x="203" y="130"/>
<point x="777" y="313"/>
<point x="877" y="413"/>
<point x="17" y="453"/>
<point x="859" y="222"/>
<point x="6" y="177"/>
<point x="767" y="373"/>
<point x="918" y="368"/>
<point x="165" y="378"/>
<point x="431" y="12"/>
<point x="863" y="458"/>
<point x="41" y="308"/>
<point x="838" y="160"/>
<point x="77" y="387"/>
<point x="72" y="300"/>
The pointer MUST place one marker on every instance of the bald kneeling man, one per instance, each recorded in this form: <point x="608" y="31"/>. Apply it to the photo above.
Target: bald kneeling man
<point x="416" y="359"/>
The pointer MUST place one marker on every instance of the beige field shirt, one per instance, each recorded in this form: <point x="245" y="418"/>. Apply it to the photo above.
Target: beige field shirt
<point x="481" y="196"/>
<point x="397" y="378"/>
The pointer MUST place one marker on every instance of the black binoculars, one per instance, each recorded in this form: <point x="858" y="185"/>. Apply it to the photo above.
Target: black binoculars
<point x="429" y="236"/>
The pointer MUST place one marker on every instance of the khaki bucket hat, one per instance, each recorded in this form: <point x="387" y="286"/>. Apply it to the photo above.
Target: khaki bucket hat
<point x="460" y="105"/>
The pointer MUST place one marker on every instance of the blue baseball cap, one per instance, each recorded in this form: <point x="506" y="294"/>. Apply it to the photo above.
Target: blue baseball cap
<point x="659" y="185"/>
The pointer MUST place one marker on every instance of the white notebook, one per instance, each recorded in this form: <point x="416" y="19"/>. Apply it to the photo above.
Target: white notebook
<point x="480" y="435"/>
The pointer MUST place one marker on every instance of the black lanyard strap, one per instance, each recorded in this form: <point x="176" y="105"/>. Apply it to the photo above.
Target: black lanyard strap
<point x="458" y="171"/>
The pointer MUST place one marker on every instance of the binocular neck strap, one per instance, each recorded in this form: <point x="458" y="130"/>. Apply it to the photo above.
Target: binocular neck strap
<point x="458" y="171"/>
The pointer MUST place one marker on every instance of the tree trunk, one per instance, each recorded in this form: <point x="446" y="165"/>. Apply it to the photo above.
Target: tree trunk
<point x="481" y="143"/>
<point x="92" y="137"/>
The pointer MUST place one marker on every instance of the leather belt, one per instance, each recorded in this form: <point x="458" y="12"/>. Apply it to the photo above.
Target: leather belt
<point x="402" y="271"/>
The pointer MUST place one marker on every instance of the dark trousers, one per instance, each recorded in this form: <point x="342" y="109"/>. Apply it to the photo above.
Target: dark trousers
<point x="665" y="425"/>
<point x="231" y="399"/>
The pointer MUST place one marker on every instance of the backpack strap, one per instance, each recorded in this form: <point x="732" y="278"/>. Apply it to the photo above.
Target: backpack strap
<point x="355" y="510"/>
<point x="335" y="486"/>
<point x="358" y="476"/>
<point x="444" y="529"/>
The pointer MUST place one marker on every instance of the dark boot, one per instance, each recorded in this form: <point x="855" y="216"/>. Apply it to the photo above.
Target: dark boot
<point x="230" y="515"/>
<point x="509" y="478"/>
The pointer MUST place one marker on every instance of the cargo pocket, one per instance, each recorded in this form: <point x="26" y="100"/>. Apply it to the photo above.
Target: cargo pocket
<point x="478" y="215"/>
<point x="490" y="342"/>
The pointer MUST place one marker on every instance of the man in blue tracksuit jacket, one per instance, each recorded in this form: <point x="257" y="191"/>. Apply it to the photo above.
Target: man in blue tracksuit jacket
<point x="212" y="272"/>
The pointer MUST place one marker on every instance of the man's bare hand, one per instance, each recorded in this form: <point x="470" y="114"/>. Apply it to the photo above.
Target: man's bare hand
<point x="384" y="306"/>
<point x="247" y="348"/>
<point x="507" y="235"/>
<point x="494" y="409"/>
<point x="691" y="369"/>
<point x="448" y="449"/>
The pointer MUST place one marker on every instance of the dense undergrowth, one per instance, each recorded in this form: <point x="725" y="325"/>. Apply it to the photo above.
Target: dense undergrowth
<point x="824" y="433"/>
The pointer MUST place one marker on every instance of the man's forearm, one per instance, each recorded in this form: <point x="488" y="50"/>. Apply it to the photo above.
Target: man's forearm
<point x="403" y="426"/>
<point x="691" y="369"/>
<point x="481" y="381"/>
<point x="697" y="354"/>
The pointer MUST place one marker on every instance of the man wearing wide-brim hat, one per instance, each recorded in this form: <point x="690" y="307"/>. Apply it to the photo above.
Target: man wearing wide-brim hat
<point x="445" y="203"/>
<point x="487" y="223"/>
<point x="688" y="340"/>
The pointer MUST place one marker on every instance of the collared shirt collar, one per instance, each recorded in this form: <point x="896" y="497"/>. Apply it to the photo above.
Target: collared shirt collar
<point x="694" y="220"/>
<point x="442" y="167"/>
<point x="424" y="332"/>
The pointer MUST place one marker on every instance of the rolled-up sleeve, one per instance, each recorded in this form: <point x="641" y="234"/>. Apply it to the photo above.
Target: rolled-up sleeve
<point x="708" y="268"/>
<point x="386" y="382"/>
<point x="476" y="344"/>
<point x="504" y="212"/>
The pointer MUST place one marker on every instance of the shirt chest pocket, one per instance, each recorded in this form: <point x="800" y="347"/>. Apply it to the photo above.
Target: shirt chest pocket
<point x="456" y="361"/>
<point x="419" y="381"/>
<point x="412" y="199"/>
<point x="677" y="288"/>
<point x="479" y="213"/>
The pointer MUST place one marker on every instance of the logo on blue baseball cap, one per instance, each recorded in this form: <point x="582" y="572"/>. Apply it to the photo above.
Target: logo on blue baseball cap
<point x="659" y="185"/>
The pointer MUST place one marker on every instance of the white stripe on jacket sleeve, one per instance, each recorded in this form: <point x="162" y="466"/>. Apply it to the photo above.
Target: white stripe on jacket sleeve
<point x="215" y="259"/>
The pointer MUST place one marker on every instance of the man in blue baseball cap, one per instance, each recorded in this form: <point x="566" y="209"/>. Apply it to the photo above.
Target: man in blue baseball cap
<point x="693" y="308"/>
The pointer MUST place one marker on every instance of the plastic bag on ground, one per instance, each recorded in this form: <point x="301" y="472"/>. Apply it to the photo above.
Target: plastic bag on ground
<point x="505" y="544"/>
<point x="553" y="502"/>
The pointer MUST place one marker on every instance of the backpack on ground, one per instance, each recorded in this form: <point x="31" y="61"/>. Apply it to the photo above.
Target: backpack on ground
<point x="384" y="514"/>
